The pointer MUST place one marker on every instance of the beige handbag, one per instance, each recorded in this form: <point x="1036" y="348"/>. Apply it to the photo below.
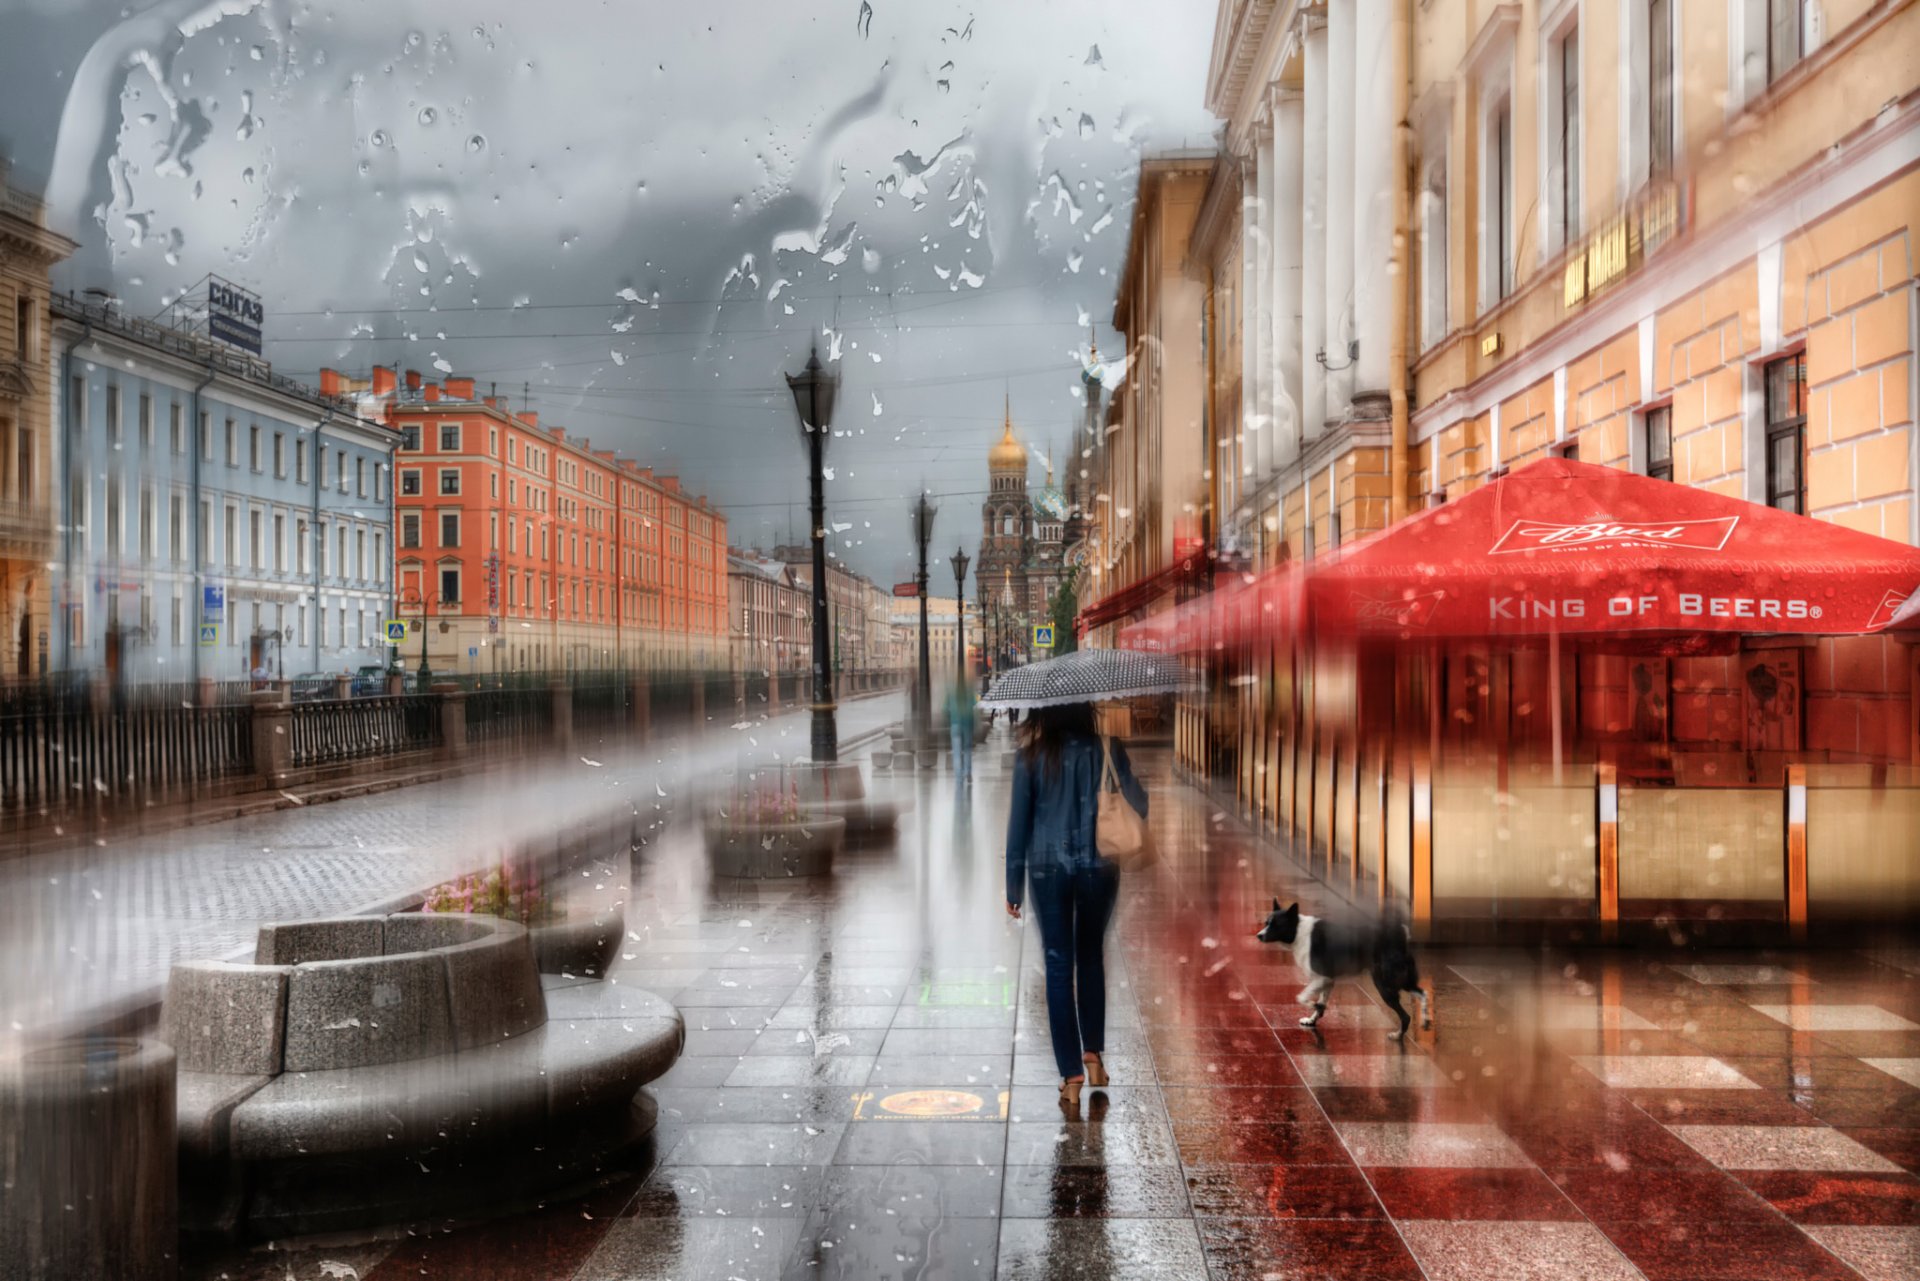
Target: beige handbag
<point x="1119" y="833"/>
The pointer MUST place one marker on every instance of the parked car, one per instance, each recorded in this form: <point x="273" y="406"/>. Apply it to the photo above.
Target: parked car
<point x="313" y="687"/>
<point x="371" y="681"/>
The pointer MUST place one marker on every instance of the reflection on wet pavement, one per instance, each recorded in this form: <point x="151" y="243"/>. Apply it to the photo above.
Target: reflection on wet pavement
<point x="868" y="1092"/>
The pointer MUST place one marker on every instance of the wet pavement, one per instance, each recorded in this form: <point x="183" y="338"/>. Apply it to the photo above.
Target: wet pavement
<point x="867" y="1091"/>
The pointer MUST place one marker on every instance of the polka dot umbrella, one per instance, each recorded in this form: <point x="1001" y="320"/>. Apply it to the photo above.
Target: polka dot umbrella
<point x="1086" y="676"/>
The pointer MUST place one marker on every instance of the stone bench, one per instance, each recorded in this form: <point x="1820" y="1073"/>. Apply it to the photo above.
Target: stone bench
<point x="389" y="1037"/>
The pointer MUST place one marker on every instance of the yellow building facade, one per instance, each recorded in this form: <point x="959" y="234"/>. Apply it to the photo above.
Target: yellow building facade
<point x="28" y="251"/>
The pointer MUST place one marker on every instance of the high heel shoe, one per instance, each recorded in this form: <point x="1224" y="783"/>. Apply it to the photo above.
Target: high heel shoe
<point x="1070" y="1094"/>
<point x="1096" y="1070"/>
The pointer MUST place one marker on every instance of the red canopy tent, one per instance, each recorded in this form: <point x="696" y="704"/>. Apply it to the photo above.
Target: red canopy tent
<point x="1568" y="549"/>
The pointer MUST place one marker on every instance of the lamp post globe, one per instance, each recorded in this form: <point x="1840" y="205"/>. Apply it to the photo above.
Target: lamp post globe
<point x="960" y="610"/>
<point x="813" y="393"/>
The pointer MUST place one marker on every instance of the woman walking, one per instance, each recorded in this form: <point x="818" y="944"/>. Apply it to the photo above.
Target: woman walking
<point x="1050" y="850"/>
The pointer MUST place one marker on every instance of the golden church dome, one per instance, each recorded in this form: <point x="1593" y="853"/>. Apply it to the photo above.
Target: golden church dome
<point x="1009" y="454"/>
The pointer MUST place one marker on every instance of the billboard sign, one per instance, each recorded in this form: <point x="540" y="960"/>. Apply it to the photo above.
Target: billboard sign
<point x="234" y="316"/>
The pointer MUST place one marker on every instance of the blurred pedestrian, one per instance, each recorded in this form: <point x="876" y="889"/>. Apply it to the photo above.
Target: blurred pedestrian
<point x="1062" y="764"/>
<point x="960" y="706"/>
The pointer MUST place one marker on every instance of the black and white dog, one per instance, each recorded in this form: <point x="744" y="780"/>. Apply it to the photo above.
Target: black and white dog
<point x="1329" y="951"/>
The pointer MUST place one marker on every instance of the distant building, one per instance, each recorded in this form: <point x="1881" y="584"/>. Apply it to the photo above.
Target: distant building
<point x="769" y="615"/>
<point x="943" y="622"/>
<point x="859" y="614"/>
<point x="1022" y="541"/>
<point x="216" y="517"/>
<point x="28" y="251"/>
<point x="525" y="549"/>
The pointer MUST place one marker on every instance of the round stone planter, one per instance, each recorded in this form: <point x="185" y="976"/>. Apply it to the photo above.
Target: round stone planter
<point x="769" y="850"/>
<point x="87" y="1145"/>
<point x="883" y="762"/>
<point x="578" y="947"/>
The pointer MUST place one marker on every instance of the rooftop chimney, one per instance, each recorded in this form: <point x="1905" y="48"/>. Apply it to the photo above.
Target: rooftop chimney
<point x="433" y="391"/>
<point x="413" y="380"/>
<point x="330" y="382"/>
<point x="460" y="389"/>
<point x="383" y="381"/>
<point x="529" y="417"/>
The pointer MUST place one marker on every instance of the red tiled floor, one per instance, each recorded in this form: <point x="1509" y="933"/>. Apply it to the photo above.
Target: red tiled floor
<point x="1393" y="1103"/>
<point x="1299" y="1144"/>
<point x="1661" y="1196"/>
<point x="1305" y="1250"/>
<point x="1807" y="1196"/>
<point x="1725" y="1252"/>
<point x="1282" y="1191"/>
<point x="1720" y="1107"/>
<point x="1900" y="1146"/>
<point x="1242" y="1105"/>
<point x="1573" y="1141"/>
<point x="1175" y="1041"/>
<point x="1412" y="1193"/>
<point x="1225" y="1069"/>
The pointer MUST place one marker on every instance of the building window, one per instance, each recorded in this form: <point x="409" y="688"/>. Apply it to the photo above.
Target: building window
<point x="1658" y="426"/>
<point x="410" y="436"/>
<point x="449" y="585"/>
<point x="113" y="414"/>
<point x="1432" y="216"/>
<point x="320" y="541"/>
<point x="279" y="543"/>
<point x="300" y="557"/>
<point x="1786" y="36"/>
<point x="360" y="554"/>
<point x="146" y="523"/>
<point x="409" y="483"/>
<point x="449" y="529"/>
<point x="176" y="521"/>
<point x="1786" y="397"/>
<point x="206" y="437"/>
<point x="343" y="471"/>
<point x="1659" y="88"/>
<point x="449" y="438"/>
<point x="233" y="536"/>
<point x="254" y="556"/>
<point x="146" y="421"/>
<point x="279" y="455"/>
<point x="176" y="434"/>
<point x="300" y="461"/>
<point x="450" y="480"/>
<point x="379" y="556"/>
<point x="410" y="530"/>
<point x="360" y="477"/>
<point x="1567" y="138"/>
<point x="23" y="326"/>
<point x="380" y="482"/>
<point x="1500" y="199"/>
<point x="253" y="446"/>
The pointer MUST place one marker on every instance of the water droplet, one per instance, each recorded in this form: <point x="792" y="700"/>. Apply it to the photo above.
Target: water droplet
<point x="379" y="138"/>
<point x="428" y="115"/>
<point x="477" y="143"/>
<point x="1086" y="125"/>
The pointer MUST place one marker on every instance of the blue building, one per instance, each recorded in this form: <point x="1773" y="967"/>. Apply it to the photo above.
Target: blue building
<point x="215" y="518"/>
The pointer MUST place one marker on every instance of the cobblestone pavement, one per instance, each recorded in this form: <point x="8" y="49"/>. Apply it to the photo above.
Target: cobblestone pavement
<point x="89" y="929"/>
<point x="867" y="1091"/>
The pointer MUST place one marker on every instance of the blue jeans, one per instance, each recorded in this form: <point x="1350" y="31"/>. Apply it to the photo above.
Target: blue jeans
<point x="1073" y="909"/>
<point x="963" y="747"/>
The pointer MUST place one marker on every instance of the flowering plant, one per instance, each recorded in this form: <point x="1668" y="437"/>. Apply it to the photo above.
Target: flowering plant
<point x="761" y="803"/>
<point x="495" y="893"/>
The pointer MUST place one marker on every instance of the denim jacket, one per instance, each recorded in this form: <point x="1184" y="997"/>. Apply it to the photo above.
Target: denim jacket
<point x="1050" y="828"/>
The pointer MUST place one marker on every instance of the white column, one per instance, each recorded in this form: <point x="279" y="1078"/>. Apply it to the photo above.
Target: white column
<point x="1340" y="212"/>
<point x="1261" y="423"/>
<point x="1286" y="223"/>
<point x="1373" y="126"/>
<point x="1236" y="458"/>
<point x="1313" y="224"/>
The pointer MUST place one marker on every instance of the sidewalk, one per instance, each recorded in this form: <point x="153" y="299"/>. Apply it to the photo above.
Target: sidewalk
<point x="95" y="929"/>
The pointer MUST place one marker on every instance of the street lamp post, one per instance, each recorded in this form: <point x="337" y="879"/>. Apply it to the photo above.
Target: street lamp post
<point x="960" y="610"/>
<point x="813" y="391"/>
<point x="923" y="515"/>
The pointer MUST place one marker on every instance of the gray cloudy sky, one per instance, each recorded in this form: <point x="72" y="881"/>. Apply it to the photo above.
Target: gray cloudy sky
<point x="637" y="212"/>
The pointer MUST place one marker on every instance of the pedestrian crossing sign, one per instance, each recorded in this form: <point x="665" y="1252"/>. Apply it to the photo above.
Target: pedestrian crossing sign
<point x="396" y="630"/>
<point x="1043" y="635"/>
<point x="209" y="635"/>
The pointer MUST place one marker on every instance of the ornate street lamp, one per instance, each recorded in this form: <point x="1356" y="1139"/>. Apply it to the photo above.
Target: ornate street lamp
<point x="813" y="391"/>
<point x="923" y="516"/>
<point x="960" y="608"/>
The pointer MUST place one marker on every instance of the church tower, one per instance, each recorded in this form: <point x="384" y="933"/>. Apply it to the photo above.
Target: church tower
<point x="1006" y="522"/>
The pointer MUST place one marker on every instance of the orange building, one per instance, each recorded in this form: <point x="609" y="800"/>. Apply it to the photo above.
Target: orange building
<point x="526" y="550"/>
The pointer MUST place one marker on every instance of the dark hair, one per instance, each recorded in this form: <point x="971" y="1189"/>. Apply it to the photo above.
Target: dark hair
<point x="1047" y="730"/>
